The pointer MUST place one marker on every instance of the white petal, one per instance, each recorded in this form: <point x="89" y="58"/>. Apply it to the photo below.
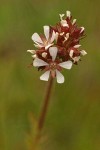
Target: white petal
<point x="74" y="21"/>
<point x="36" y="38"/>
<point x="64" y="23"/>
<point x="38" y="45"/>
<point x="56" y="36"/>
<point x="83" y="52"/>
<point x="60" y="77"/>
<point x="77" y="46"/>
<point x="47" y="46"/>
<point x="45" y="76"/>
<point x="31" y="51"/>
<point x="68" y="14"/>
<point x="34" y="56"/>
<point x="47" y="31"/>
<point x="67" y="36"/>
<point x="39" y="62"/>
<point x="66" y="64"/>
<point x="76" y="59"/>
<point x="61" y="16"/>
<point x="53" y="36"/>
<point x="71" y="53"/>
<point x="53" y="52"/>
<point x="82" y="29"/>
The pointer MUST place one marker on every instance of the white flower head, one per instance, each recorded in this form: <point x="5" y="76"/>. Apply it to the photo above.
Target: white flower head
<point x="53" y="68"/>
<point x="44" y="42"/>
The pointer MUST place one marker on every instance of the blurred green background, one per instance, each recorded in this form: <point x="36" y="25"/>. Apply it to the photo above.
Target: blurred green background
<point x="73" y="119"/>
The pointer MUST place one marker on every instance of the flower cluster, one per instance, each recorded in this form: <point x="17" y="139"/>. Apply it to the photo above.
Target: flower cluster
<point x="58" y="48"/>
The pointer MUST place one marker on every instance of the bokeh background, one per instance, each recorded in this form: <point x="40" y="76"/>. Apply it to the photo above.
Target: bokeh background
<point x="73" y="119"/>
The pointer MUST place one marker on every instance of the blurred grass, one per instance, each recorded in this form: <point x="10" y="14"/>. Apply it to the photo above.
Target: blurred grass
<point x="73" y="118"/>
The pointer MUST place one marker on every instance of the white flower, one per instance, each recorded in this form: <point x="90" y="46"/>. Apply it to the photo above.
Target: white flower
<point x="53" y="68"/>
<point x="46" y="41"/>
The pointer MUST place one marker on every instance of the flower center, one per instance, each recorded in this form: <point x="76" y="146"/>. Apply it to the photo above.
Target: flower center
<point x="53" y="66"/>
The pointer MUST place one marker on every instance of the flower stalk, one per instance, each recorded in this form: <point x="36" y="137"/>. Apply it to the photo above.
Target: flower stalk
<point x="43" y="111"/>
<point x="58" y="48"/>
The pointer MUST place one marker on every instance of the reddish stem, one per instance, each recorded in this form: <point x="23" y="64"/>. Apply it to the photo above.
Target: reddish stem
<point x="45" y="106"/>
<point x="44" y="109"/>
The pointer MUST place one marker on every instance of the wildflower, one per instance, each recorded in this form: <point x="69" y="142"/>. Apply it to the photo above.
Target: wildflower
<point x="58" y="48"/>
<point x="44" y="41"/>
<point x="52" y="68"/>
